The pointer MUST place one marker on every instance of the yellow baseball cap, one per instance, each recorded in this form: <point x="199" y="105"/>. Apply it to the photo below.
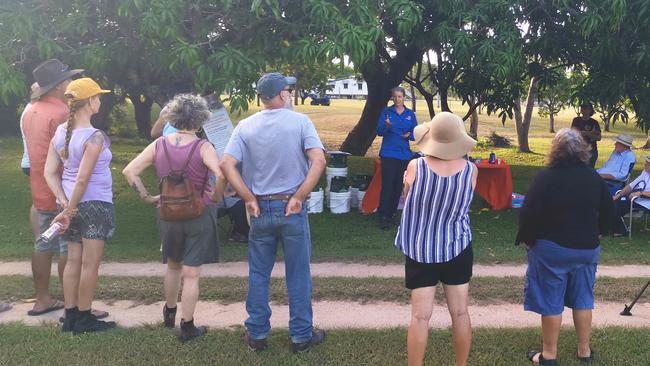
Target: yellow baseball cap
<point x="83" y="88"/>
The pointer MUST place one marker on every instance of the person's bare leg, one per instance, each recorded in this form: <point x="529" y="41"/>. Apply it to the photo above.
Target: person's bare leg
<point x="41" y="268"/>
<point x="418" y="331"/>
<point x="71" y="275"/>
<point x="33" y="221"/>
<point x="457" y="299"/>
<point x="172" y="283"/>
<point x="91" y="259"/>
<point x="190" y="294"/>
<point x="582" y="322"/>
<point x="550" y="333"/>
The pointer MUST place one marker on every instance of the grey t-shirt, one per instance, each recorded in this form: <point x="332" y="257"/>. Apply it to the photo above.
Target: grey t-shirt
<point x="271" y="147"/>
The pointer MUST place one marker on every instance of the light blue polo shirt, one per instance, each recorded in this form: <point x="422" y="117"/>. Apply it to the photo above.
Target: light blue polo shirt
<point x="271" y="147"/>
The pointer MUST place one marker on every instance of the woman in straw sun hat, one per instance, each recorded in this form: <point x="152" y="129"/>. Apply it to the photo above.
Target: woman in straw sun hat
<point x="435" y="234"/>
<point x="85" y="190"/>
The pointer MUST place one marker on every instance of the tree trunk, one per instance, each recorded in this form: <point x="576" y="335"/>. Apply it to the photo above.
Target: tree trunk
<point x="473" y="124"/>
<point x="362" y="135"/>
<point x="142" y="108"/>
<point x="523" y="123"/>
<point x="551" y="128"/>
<point x="413" y="98"/>
<point x="606" y="120"/>
<point x="429" y="99"/>
<point x="379" y="83"/>
<point x="101" y="120"/>
<point x="444" y="102"/>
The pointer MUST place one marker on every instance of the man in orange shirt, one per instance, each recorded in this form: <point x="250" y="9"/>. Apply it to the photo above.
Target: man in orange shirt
<point x="39" y="124"/>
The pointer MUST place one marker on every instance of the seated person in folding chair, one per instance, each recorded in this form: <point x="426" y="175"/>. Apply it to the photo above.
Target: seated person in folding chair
<point x="234" y="207"/>
<point x="619" y="165"/>
<point x="639" y="187"/>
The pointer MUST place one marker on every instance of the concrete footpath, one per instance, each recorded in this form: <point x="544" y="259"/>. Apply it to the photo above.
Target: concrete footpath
<point x="338" y="314"/>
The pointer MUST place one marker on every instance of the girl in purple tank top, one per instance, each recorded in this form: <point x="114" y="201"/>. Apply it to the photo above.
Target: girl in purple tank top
<point x="84" y="191"/>
<point x="186" y="244"/>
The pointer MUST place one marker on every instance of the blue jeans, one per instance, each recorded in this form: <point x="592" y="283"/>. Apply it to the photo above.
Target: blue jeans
<point x="266" y="231"/>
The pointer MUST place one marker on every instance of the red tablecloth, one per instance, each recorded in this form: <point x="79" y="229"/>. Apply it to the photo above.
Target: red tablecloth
<point x="494" y="184"/>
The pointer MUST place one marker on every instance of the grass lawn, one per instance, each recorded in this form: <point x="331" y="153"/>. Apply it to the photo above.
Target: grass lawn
<point x="347" y="237"/>
<point x="228" y="290"/>
<point x="23" y="345"/>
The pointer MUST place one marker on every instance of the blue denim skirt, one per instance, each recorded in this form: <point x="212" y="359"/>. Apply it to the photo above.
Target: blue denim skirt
<point x="558" y="276"/>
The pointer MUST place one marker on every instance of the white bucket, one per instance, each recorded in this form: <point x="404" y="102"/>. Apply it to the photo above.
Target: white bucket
<point x="360" y="195"/>
<point x="340" y="202"/>
<point x="354" y="197"/>
<point x="334" y="172"/>
<point x="315" y="202"/>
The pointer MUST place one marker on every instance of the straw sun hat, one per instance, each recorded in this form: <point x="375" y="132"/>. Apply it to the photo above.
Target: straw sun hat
<point x="444" y="137"/>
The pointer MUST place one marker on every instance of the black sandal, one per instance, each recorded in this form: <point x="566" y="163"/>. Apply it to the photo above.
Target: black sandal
<point x="587" y="359"/>
<point x="542" y="361"/>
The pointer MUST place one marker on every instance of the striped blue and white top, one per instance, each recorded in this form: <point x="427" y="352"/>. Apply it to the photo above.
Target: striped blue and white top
<point x="435" y="222"/>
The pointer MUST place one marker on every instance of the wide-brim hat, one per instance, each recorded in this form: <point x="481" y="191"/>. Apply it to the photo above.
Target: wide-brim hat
<point x="444" y="137"/>
<point x="624" y="139"/>
<point x="51" y="73"/>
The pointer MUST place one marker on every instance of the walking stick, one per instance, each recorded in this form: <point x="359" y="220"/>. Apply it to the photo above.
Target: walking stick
<point x="626" y="311"/>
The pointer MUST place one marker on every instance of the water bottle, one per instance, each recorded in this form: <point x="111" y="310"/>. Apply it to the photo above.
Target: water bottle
<point x="492" y="159"/>
<point x="51" y="232"/>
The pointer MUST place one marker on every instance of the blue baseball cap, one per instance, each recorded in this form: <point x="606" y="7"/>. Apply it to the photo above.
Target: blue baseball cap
<point x="271" y="84"/>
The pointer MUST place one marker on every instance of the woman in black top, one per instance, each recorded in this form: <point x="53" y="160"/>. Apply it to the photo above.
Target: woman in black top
<point x="589" y="129"/>
<point x="566" y="209"/>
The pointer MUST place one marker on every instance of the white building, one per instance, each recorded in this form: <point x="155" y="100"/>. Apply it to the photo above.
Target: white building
<point x="347" y="88"/>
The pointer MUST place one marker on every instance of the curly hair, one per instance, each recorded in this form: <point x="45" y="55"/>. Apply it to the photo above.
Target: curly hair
<point x="187" y="112"/>
<point x="568" y="148"/>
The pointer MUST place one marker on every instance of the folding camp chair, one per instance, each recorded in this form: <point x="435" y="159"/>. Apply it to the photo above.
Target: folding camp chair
<point x="616" y="185"/>
<point x="638" y="210"/>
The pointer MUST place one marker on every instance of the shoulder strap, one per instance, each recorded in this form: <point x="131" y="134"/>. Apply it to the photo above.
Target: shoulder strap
<point x="189" y="157"/>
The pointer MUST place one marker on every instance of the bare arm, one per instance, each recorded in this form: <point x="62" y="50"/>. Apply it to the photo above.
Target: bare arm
<point x="133" y="170"/>
<point x="158" y="126"/>
<point x="228" y="166"/>
<point x="316" y="157"/>
<point x="210" y="159"/>
<point x="53" y="176"/>
<point x="92" y="149"/>
<point x="409" y="177"/>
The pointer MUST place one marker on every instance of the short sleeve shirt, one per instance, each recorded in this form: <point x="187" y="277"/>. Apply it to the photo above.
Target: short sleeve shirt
<point x="587" y="125"/>
<point x="39" y="125"/>
<point x="271" y="146"/>
<point x="642" y="182"/>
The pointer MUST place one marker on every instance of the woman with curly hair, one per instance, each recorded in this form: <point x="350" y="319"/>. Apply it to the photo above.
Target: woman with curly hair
<point x="186" y="244"/>
<point x="567" y="207"/>
<point x="85" y="190"/>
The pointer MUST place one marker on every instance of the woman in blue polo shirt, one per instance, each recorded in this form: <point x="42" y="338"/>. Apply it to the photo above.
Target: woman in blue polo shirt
<point x="395" y="124"/>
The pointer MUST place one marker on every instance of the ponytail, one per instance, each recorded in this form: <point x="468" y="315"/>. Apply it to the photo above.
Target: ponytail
<point x="74" y="105"/>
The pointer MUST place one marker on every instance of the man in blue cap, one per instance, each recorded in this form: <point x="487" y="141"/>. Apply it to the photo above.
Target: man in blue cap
<point x="282" y="159"/>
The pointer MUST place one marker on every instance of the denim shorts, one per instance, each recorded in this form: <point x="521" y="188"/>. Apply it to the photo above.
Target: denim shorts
<point x="57" y="244"/>
<point x="558" y="276"/>
<point x="95" y="220"/>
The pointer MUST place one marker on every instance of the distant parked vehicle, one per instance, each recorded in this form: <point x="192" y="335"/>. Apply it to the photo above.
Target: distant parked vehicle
<point x="316" y="100"/>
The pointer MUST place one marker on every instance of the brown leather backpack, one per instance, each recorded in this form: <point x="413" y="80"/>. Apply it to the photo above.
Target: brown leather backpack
<point x="179" y="200"/>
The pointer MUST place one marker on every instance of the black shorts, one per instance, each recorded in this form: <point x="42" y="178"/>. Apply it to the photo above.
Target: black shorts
<point x="457" y="271"/>
<point x="95" y="220"/>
